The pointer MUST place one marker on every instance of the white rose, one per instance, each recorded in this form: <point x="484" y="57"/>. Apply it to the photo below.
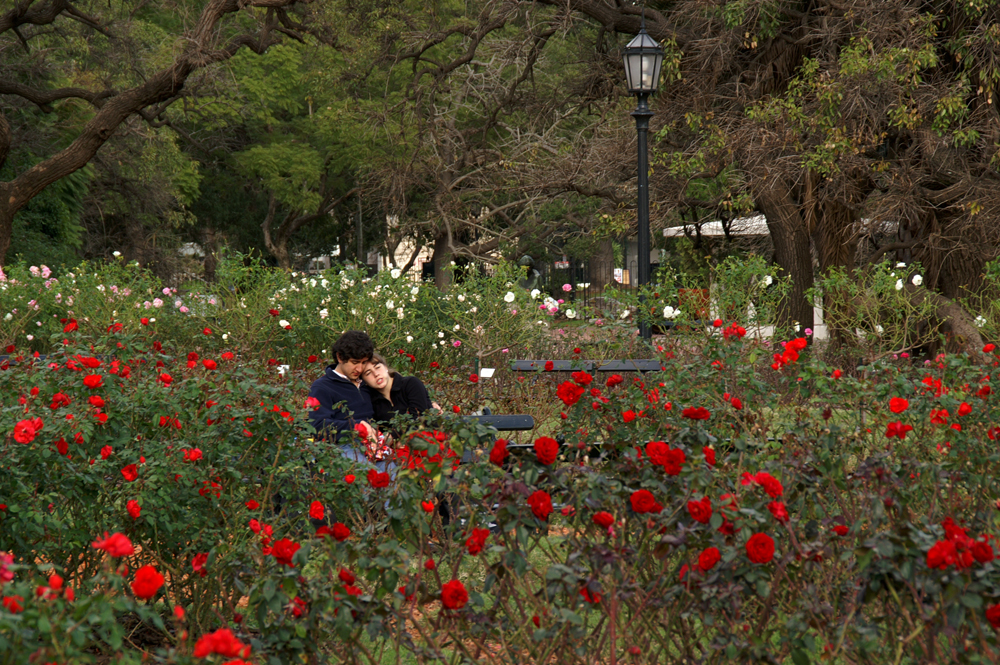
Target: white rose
<point x="461" y="298"/>
<point x="399" y="313"/>
<point x="116" y="254"/>
<point x="395" y="273"/>
<point x="509" y="297"/>
<point x="535" y="293"/>
<point x="669" y="312"/>
<point x="225" y="336"/>
<point x="917" y="280"/>
<point x="323" y="313"/>
<point x="283" y="323"/>
<point x="900" y="265"/>
<point x="879" y="329"/>
<point x="415" y="290"/>
<point x="625" y="314"/>
<point x="8" y="317"/>
<point x="570" y="314"/>
<point x="409" y="339"/>
<point x="768" y="280"/>
<point x="440" y="334"/>
<point x="30" y="337"/>
<point x="980" y="321"/>
<point x="899" y="285"/>
<point x="390" y="304"/>
<point x="457" y="327"/>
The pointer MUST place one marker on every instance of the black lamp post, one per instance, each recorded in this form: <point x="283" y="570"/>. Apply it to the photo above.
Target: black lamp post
<point x="643" y="58"/>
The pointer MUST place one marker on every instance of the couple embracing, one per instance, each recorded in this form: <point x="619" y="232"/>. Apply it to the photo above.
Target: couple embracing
<point x="361" y="392"/>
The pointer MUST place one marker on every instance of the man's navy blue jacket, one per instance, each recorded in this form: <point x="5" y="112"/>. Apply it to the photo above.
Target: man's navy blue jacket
<point x="341" y="405"/>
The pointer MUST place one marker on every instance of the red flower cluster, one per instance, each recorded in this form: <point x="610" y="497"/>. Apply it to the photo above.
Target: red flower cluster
<point x="734" y="331"/>
<point x="660" y="454"/>
<point x="116" y="544"/>
<point x="897" y="429"/>
<point x="26" y="430"/>
<point x="378" y="479"/>
<point x="958" y="549"/>
<point x="499" y="452"/>
<point x="790" y="354"/>
<point x="696" y="413"/>
<point x="582" y="378"/>
<point x="475" y="543"/>
<point x="770" y="484"/>
<point x="284" y="550"/>
<point x="221" y="642"/>
<point x="569" y="392"/>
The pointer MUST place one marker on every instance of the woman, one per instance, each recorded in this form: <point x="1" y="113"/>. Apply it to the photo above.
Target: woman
<point x="392" y="393"/>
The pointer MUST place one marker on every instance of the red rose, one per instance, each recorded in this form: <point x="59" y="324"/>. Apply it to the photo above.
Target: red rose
<point x="549" y="365"/>
<point x="760" y="548"/>
<point x="316" y="510"/>
<point x="898" y="404"/>
<point x="546" y="450"/>
<point x="209" y="364"/>
<point x="349" y="478"/>
<point x="427" y="506"/>
<point x="696" y="413"/>
<point x="569" y="393"/>
<point x="147" y="582"/>
<point x="133" y="508"/>
<point x="474" y="378"/>
<point x="582" y="378"/>
<point x="603" y="519"/>
<point x="222" y="642"/>
<point x="709" y="455"/>
<point x="701" y="511"/>
<point x="993" y="615"/>
<point x="628" y="416"/>
<point x="273" y="312"/>
<point x="983" y="551"/>
<point x="116" y="544"/>
<point x="475" y="543"/>
<point x="340" y="531"/>
<point x="837" y="374"/>
<point x="614" y="380"/>
<point x="96" y="401"/>
<point x="377" y="480"/>
<point x="284" y="550"/>
<point x="770" y="484"/>
<point x="93" y="381"/>
<point x="192" y="455"/>
<point x="71" y="326"/>
<point x="942" y="555"/>
<point x="499" y="452"/>
<point x="453" y="595"/>
<point x="252" y="505"/>
<point x="737" y="404"/>
<point x="312" y="359"/>
<point x="106" y="452"/>
<point x="708" y="558"/>
<point x="13" y="604"/>
<point x="24" y="431"/>
<point x="541" y="504"/>
<point x="841" y="529"/>
<point x="130" y="472"/>
<point x="643" y="502"/>
<point x="198" y="563"/>
<point x="144" y="321"/>
<point x="897" y="429"/>
<point x="166" y="379"/>
<point x="964" y="409"/>
<point x="779" y="511"/>
<point x="227" y="355"/>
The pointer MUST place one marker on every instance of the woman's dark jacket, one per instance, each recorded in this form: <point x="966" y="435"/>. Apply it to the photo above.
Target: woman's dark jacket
<point x="408" y="396"/>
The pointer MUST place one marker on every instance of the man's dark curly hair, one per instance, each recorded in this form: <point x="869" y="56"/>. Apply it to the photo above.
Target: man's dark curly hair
<point x="353" y="345"/>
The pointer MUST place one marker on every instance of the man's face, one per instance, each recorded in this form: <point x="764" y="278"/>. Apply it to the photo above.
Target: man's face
<point x="352" y="367"/>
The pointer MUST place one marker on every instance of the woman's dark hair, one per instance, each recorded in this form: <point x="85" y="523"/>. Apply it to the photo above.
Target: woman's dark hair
<point x="379" y="358"/>
<point x="353" y="345"/>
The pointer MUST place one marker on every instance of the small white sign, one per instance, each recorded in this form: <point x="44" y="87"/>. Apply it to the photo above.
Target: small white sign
<point x="486" y="373"/>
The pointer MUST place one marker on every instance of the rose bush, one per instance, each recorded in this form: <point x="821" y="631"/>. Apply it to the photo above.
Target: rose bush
<point x="750" y="510"/>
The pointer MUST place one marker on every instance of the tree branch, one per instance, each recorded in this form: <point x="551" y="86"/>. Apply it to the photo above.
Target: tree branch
<point x="43" y="98"/>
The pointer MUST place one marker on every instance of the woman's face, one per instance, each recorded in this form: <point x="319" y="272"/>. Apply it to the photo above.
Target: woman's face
<point x="376" y="375"/>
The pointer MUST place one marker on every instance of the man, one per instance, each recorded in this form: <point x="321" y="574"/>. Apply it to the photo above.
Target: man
<point x="341" y="403"/>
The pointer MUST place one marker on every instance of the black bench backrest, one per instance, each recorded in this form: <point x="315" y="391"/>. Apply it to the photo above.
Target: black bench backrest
<point x="628" y="365"/>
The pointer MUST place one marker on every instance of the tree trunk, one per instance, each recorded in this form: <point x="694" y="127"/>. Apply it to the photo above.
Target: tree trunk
<point x="601" y="266"/>
<point x="442" y="260"/>
<point x="836" y="244"/>
<point x="791" y="247"/>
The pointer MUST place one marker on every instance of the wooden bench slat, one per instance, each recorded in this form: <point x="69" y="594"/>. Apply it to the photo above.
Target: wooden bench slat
<point x="557" y="365"/>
